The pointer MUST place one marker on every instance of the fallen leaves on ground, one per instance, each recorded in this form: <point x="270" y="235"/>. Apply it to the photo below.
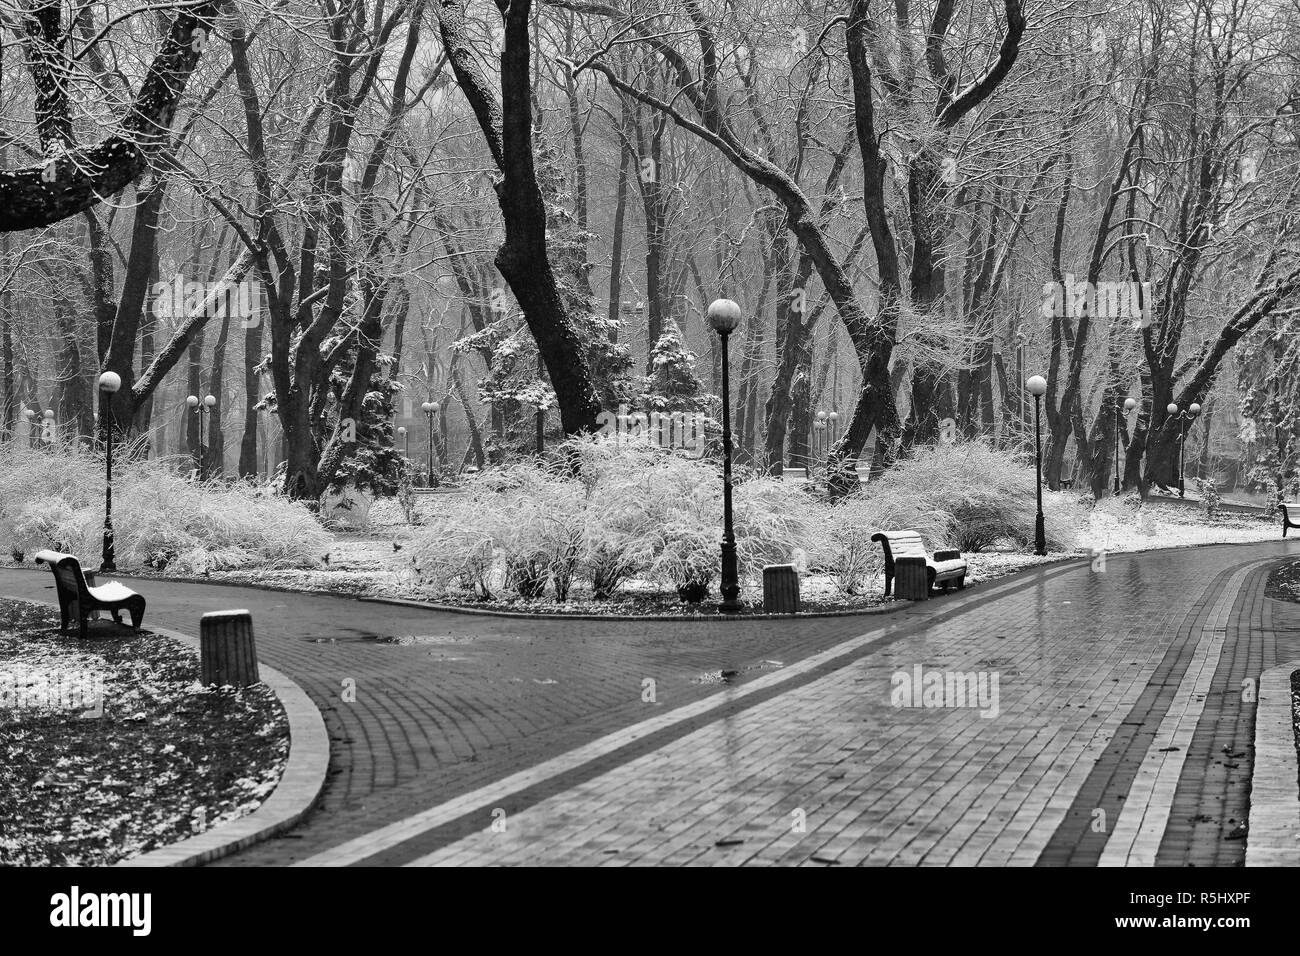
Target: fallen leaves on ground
<point x="111" y="747"/>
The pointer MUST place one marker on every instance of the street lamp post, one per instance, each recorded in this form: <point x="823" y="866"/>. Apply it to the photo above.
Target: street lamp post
<point x="31" y="433"/>
<point x="204" y="409"/>
<point x="430" y="409"/>
<point x="401" y="433"/>
<point x="834" y="419"/>
<point x="1037" y="386"/>
<point x="193" y="403"/>
<point x="724" y="317"/>
<point x="109" y="383"/>
<point x="1184" y="418"/>
<point x="47" y="430"/>
<point x="1129" y="405"/>
<point x="823" y="427"/>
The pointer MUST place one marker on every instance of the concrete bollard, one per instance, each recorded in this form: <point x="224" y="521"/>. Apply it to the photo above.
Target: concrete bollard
<point x="228" y="654"/>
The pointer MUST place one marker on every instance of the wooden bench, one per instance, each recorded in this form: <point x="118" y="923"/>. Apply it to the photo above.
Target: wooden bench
<point x="1289" y="507"/>
<point x="945" y="568"/>
<point x="79" y="599"/>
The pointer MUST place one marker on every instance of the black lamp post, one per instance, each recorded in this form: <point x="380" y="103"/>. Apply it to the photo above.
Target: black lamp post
<point x="1129" y="405"/>
<point x="28" y="414"/>
<point x="430" y="409"/>
<point x="821" y="426"/>
<point x="109" y="383"/>
<point x="1037" y="386"/>
<point x="1184" y="419"/>
<point x="834" y="419"/>
<point x="203" y="408"/>
<point x="406" y="448"/>
<point x="724" y="316"/>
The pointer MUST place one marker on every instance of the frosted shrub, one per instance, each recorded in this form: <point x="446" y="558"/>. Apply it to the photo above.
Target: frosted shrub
<point x="611" y="512"/>
<point x="54" y="498"/>
<point x="456" y="552"/>
<point x="988" y="495"/>
<point x="774" y="521"/>
<point x="47" y="522"/>
<point x="648" y="513"/>
<point x="616" y="541"/>
<point x="849" y="554"/>
<point x="519" y="528"/>
<point x="541" y="536"/>
<point x="686" y="557"/>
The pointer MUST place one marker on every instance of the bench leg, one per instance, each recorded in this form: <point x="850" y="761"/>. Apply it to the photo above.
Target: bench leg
<point x="961" y="582"/>
<point x="136" y="609"/>
<point x="82" y="622"/>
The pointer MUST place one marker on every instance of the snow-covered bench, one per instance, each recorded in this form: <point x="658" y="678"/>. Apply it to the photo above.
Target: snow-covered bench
<point x="943" y="569"/>
<point x="1289" y="508"/>
<point x="78" y="599"/>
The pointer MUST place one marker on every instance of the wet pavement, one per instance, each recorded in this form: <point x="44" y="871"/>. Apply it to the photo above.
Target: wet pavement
<point x="1065" y="716"/>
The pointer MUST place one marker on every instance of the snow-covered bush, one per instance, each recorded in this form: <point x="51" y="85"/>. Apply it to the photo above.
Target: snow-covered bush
<point x="1210" y="497"/>
<point x="54" y="498"/>
<point x="607" y="512"/>
<point x="847" y="552"/>
<point x="517" y="528"/>
<point x="774" y="522"/>
<point x="610" y="512"/>
<point x="988" y="494"/>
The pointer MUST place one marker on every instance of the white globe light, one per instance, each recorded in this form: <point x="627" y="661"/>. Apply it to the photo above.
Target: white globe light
<point x="110" y="382"/>
<point x="49" y="414"/>
<point x="426" y="406"/>
<point x="27" y="414"/>
<point x="192" y="401"/>
<point x="435" y="407"/>
<point x="1171" y="408"/>
<point x="401" y="430"/>
<point x="821" y="416"/>
<point x="1194" y="408"/>
<point x="1037" y="385"/>
<point x="724" y="315"/>
<point x="209" y="400"/>
<point x="834" y="416"/>
<point x="1130" y="404"/>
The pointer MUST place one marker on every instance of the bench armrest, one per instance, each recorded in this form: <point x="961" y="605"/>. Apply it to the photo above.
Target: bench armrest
<point x="951" y="555"/>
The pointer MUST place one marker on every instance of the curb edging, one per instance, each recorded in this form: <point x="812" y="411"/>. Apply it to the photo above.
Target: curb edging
<point x="294" y="796"/>
<point x="1273" y="838"/>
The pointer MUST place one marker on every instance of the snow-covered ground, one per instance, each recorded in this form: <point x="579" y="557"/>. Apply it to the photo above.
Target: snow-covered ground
<point x="1117" y="527"/>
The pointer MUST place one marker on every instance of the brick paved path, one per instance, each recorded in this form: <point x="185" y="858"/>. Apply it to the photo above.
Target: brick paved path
<point x="489" y="740"/>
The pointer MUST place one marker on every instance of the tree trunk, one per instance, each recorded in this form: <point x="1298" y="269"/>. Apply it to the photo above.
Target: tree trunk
<point x="215" y="456"/>
<point x="522" y="259"/>
<point x="248" y="467"/>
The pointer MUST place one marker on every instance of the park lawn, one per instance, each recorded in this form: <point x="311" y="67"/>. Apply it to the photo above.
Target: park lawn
<point x="112" y="748"/>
